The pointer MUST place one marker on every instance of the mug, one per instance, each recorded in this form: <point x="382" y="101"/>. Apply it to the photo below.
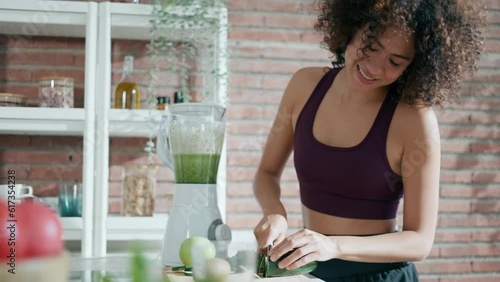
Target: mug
<point x="15" y="192"/>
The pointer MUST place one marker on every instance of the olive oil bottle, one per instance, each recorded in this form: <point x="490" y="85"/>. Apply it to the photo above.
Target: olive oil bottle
<point x="127" y="93"/>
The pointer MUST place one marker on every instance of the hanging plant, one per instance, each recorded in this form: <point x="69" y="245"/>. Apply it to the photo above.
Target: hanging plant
<point x="188" y="48"/>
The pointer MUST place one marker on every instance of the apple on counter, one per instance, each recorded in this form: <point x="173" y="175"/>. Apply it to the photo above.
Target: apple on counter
<point x="31" y="243"/>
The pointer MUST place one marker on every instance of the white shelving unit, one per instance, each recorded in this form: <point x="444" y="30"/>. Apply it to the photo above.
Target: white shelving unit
<point x="68" y="19"/>
<point x="132" y="21"/>
<point x="99" y="24"/>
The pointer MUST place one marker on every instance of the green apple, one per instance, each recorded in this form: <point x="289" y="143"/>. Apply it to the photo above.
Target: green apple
<point x="203" y="247"/>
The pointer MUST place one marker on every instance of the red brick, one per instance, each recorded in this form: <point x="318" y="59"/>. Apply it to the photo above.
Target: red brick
<point x="455" y="146"/>
<point x="242" y="205"/>
<point x="20" y="172"/>
<point x="238" y="159"/>
<point x="482" y="278"/>
<point x="41" y="157"/>
<point x="447" y="236"/>
<point x="243" y="220"/>
<point x="456" y="176"/>
<point x="29" y="90"/>
<point x="10" y="141"/>
<point x="486" y="177"/>
<point x="254" y="127"/>
<point x="58" y="141"/>
<point x="16" y="41"/>
<point x="485" y="148"/>
<point x="485" y="207"/>
<point x="485" y="118"/>
<point x="118" y="142"/>
<point x="291" y="21"/>
<point x="15" y="75"/>
<point x="483" y="266"/>
<point x="252" y="112"/>
<point x="486" y="235"/>
<point x="492" y="4"/>
<point x="115" y="173"/>
<point x="245" y="19"/>
<point x="454" y="206"/>
<point x="470" y="250"/>
<point x="474" y="162"/>
<point x="246" y="52"/>
<point x="466" y="191"/>
<point x="276" y="82"/>
<point x="126" y="47"/>
<point x="38" y="58"/>
<point x="56" y="171"/>
<point x="478" y="105"/>
<point x="294" y="53"/>
<point x="259" y="97"/>
<point x="242" y="81"/>
<point x="475" y="90"/>
<point x="246" y="143"/>
<point x="244" y="34"/>
<point x="77" y="75"/>
<point x="43" y="42"/>
<point x="264" y="66"/>
<point x="470" y="132"/>
<point x="480" y="220"/>
<point x="454" y="117"/>
<point x="311" y="38"/>
<point x="271" y="5"/>
<point x="115" y="189"/>
<point x="431" y="266"/>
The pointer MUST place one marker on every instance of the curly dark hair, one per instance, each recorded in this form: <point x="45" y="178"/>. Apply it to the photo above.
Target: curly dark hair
<point x="448" y="40"/>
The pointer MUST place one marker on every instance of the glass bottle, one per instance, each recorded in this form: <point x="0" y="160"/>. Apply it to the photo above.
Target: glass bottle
<point x="127" y="93"/>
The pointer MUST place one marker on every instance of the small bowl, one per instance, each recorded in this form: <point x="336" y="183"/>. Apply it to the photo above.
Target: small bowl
<point x="42" y="269"/>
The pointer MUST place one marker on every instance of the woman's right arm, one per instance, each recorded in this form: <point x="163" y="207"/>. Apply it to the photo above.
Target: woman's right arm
<point x="272" y="228"/>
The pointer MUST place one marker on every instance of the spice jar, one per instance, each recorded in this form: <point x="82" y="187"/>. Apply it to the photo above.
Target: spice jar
<point x="162" y="102"/>
<point x="139" y="188"/>
<point x="56" y="92"/>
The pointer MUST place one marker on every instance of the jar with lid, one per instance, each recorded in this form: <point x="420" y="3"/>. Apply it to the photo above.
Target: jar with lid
<point x="162" y="102"/>
<point x="139" y="188"/>
<point x="56" y="92"/>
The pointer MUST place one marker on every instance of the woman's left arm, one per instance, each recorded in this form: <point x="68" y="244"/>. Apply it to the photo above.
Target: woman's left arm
<point x="420" y="169"/>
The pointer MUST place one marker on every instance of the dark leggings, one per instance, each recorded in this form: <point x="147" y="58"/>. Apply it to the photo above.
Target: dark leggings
<point x="337" y="270"/>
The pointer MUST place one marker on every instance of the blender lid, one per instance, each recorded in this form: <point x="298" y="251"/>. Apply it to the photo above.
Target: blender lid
<point x="197" y="108"/>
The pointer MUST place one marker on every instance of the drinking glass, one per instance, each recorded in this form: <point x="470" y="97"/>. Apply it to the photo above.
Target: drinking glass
<point x="70" y="200"/>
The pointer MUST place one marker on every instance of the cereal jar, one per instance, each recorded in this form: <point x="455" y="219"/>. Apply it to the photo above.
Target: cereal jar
<point x="56" y="92"/>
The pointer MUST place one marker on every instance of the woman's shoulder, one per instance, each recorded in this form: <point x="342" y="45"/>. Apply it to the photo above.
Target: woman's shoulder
<point x="304" y="80"/>
<point x="417" y="121"/>
<point x="310" y="74"/>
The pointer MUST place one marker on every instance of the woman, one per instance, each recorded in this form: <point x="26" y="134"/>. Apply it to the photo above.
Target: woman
<point x="364" y="133"/>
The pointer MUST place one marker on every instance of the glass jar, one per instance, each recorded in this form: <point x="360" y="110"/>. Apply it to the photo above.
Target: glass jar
<point x="56" y="92"/>
<point x="139" y="188"/>
<point x="12" y="100"/>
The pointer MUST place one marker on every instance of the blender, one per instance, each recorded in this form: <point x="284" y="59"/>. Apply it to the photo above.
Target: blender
<point x="190" y="142"/>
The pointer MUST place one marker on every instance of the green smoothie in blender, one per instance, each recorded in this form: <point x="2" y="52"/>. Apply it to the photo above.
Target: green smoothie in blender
<point x="196" y="168"/>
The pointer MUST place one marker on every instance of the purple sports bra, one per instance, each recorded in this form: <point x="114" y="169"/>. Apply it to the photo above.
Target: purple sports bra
<point x="355" y="182"/>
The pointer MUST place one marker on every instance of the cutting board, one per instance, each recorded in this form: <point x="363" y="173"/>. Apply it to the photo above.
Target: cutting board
<point x="175" y="277"/>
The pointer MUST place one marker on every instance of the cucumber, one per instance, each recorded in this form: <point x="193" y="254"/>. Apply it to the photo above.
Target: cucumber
<point x="275" y="271"/>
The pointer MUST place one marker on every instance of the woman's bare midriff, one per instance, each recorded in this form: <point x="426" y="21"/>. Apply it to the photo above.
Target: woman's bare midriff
<point x="334" y="225"/>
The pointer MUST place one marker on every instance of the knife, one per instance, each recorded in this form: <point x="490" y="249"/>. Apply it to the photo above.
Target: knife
<point x="266" y="260"/>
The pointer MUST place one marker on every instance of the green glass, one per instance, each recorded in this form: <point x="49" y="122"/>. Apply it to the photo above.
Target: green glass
<point x="196" y="168"/>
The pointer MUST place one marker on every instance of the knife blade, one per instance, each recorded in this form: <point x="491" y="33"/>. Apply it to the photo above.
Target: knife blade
<point x="266" y="260"/>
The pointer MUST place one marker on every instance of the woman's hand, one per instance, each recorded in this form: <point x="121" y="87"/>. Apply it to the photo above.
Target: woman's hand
<point x="309" y="246"/>
<point x="271" y="230"/>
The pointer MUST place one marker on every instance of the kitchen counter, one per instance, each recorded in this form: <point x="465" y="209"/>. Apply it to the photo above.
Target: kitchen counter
<point x="90" y="269"/>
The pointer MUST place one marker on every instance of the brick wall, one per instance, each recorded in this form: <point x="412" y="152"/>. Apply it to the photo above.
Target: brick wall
<point x="269" y="40"/>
